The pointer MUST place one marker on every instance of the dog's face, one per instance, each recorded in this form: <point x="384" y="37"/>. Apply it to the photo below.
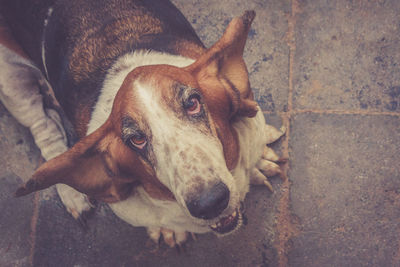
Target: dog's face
<point x="169" y="131"/>
<point x="166" y="120"/>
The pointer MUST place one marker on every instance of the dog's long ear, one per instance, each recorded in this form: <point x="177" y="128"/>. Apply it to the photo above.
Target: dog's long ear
<point x="223" y="63"/>
<point x="88" y="167"/>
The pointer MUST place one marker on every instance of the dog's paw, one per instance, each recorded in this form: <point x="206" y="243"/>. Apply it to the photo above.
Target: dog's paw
<point x="76" y="203"/>
<point x="272" y="134"/>
<point x="266" y="167"/>
<point x="258" y="178"/>
<point x="270" y="155"/>
<point x="171" y="238"/>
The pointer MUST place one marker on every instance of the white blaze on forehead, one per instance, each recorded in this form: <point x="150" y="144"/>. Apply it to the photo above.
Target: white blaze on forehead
<point x="187" y="158"/>
<point x="117" y="74"/>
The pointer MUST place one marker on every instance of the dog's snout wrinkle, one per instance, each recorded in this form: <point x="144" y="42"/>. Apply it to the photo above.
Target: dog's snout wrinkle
<point x="210" y="203"/>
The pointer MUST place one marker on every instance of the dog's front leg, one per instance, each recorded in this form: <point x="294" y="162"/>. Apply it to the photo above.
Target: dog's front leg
<point x="20" y="94"/>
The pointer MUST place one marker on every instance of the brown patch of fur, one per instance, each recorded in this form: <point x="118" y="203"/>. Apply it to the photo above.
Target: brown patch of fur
<point x="189" y="49"/>
<point x="224" y="62"/>
<point x="99" y="46"/>
<point x="81" y="118"/>
<point x="219" y="102"/>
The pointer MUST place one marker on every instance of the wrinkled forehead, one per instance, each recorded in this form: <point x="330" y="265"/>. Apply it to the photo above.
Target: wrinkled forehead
<point x="153" y="91"/>
<point x="164" y="81"/>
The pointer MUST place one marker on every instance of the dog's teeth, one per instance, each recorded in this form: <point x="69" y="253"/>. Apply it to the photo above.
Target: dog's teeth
<point x="219" y="224"/>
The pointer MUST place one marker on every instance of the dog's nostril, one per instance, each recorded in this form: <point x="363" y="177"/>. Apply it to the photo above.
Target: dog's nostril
<point x="210" y="203"/>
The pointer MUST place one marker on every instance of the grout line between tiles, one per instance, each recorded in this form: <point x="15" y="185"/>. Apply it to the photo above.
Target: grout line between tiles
<point x="286" y="229"/>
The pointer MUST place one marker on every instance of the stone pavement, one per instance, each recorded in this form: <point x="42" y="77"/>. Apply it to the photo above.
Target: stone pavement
<point x="330" y="72"/>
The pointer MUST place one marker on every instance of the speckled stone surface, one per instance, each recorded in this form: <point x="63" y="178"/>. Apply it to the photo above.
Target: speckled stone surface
<point x="347" y="55"/>
<point x="345" y="190"/>
<point x="18" y="159"/>
<point x="329" y="72"/>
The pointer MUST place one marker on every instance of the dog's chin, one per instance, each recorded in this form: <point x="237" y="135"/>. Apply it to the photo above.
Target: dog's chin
<point x="227" y="225"/>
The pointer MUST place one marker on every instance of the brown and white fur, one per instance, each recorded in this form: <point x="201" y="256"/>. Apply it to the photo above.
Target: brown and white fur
<point x="171" y="138"/>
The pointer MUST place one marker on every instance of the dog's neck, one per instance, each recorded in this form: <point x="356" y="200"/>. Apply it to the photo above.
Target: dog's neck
<point x="117" y="74"/>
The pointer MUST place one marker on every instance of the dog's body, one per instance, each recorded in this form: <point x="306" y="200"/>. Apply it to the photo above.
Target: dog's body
<point x="167" y="131"/>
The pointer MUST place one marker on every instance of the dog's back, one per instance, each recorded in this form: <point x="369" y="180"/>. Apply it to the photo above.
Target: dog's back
<point x="75" y="42"/>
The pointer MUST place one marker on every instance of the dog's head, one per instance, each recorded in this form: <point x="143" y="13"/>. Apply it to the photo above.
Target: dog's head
<point x="170" y="131"/>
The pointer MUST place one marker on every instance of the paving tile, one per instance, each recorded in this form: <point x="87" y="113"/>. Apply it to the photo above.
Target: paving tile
<point x="15" y="225"/>
<point x="16" y="146"/>
<point x="347" y="55"/>
<point x="345" y="176"/>
<point x="266" y="52"/>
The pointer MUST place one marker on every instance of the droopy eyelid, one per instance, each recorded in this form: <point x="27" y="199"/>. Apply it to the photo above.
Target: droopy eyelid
<point x="130" y="128"/>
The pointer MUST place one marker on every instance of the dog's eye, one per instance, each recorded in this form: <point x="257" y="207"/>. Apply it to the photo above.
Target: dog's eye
<point x="139" y="141"/>
<point x="193" y="106"/>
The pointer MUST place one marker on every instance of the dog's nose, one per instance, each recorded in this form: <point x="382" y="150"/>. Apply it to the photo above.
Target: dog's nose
<point x="210" y="203"/>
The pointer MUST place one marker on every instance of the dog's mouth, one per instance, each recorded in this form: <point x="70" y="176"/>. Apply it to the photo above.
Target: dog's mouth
<point x="227" y="224"/>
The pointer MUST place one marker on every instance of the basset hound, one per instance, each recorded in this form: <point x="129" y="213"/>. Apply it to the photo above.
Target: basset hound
<point x="164" y="130"/>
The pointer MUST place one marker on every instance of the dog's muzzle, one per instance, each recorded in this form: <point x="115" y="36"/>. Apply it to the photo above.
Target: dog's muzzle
<point x="210" y="204"/>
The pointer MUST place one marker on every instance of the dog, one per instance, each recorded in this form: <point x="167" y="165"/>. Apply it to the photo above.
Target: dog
<point x="129" y="107"/>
